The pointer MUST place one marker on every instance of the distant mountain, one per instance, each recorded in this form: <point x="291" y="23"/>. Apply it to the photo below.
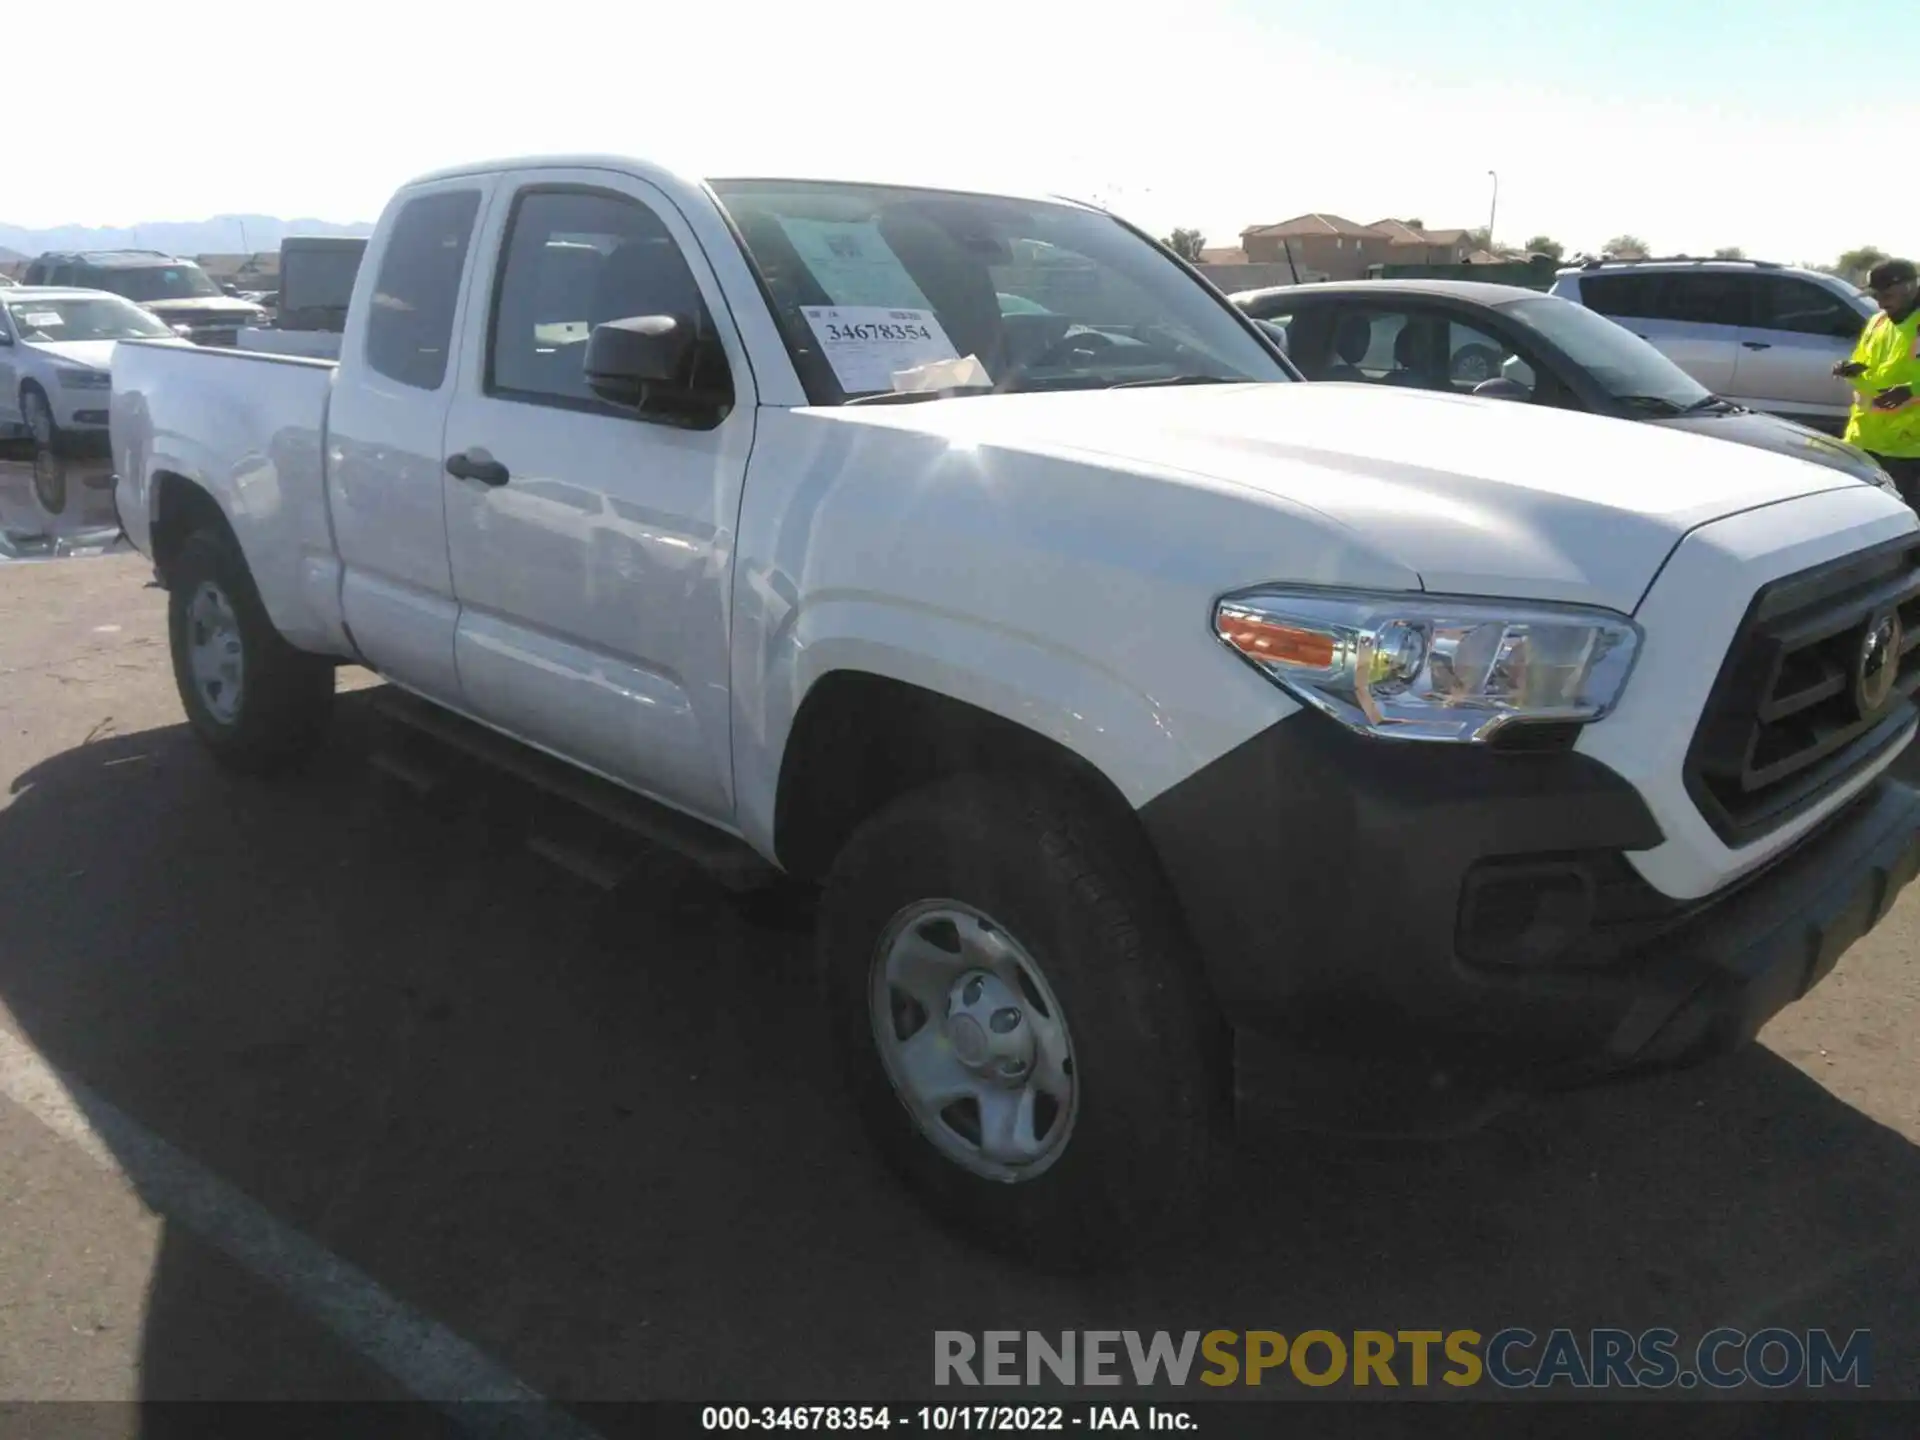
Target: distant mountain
<point x="221" y="235"/>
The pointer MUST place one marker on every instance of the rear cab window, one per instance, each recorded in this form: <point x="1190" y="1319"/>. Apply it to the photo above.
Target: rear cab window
<point x="417" y="290"/>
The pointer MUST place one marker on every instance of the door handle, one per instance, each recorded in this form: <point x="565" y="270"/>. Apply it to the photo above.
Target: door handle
<point x="1757" y="344"/>
<point x="467" y="465"/>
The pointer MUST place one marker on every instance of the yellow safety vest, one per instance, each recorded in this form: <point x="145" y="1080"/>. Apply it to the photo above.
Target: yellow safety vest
<point x="1891" y="354"/>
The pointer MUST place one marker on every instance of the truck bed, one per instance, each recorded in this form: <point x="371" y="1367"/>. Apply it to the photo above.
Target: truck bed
<point x="248" y="428"/>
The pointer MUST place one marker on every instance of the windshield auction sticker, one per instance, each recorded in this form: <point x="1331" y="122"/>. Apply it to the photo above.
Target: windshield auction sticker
<point x="868" y="344"/>
<point x="853" y="263"/>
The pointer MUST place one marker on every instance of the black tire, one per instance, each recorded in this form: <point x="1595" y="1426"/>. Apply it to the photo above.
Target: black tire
<point x="49" y="463"/>
<point x="1089" y="906"/>
<point x="285" y="695"/>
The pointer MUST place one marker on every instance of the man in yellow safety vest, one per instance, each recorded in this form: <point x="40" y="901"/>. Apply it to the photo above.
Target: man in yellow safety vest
<point x="1885" y="374"/>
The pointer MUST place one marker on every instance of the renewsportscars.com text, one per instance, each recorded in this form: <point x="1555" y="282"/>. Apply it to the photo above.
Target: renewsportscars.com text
<point x="1512" y="1358"/>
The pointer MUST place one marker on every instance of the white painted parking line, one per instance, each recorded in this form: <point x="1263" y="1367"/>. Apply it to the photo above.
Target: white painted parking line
<point x="426" y="1359"/>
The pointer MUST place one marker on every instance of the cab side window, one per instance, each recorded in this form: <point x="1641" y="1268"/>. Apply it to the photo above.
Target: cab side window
<point x="574" y="259"/>
<point x="410" y="327"/>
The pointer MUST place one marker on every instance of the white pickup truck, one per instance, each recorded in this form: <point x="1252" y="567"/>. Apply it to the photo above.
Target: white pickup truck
<point x="1158" y="731"/>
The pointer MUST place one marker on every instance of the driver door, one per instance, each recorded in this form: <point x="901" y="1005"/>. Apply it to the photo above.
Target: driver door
<point x="591" y="545"/>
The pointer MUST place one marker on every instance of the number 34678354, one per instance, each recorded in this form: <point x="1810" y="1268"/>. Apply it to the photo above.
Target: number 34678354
<point x="836" y="332"/>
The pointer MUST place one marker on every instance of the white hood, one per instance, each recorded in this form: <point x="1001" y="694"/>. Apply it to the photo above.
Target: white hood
<point x="1477" y="496"/>
<point x="94" y="354"/>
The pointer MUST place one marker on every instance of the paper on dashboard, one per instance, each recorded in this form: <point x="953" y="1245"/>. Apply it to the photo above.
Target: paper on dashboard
<point x="868" y="344"/>
<point x="853" y="263"/>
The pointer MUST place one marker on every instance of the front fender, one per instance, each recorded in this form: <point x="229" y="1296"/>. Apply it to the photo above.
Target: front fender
<point x="1142" y="740"/>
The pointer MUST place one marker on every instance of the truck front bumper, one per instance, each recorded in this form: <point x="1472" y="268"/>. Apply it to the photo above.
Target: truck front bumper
<point x="1457" y="919"/>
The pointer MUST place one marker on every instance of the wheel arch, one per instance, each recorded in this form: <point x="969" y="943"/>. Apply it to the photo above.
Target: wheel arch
<point x="861" y="739"/>
<point x="180" y="507"/>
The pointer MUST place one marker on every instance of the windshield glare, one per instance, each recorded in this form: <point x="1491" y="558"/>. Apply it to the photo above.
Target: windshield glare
<point x="157" y="282"/>
<point x="876" y="287"/>
<point x="93" y="317"/>
<point x="1620" y="361"/>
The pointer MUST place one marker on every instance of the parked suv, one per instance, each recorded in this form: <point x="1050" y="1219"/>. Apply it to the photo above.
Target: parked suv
<point x="1760" y="334"/>
<point x="178" y="291"/>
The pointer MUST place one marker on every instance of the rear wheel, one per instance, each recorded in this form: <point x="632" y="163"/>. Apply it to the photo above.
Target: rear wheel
<point x="49" y="465"/>
<point x="1020" y="1023"/>
<point x="256" y="702"/>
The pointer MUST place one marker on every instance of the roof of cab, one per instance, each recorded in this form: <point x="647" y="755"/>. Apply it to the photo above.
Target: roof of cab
<point x="658" y="172"/>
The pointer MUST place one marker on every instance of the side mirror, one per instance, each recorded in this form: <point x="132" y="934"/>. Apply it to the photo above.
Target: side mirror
<point x="1501" y="388"/>
<point x="627" y="358"/>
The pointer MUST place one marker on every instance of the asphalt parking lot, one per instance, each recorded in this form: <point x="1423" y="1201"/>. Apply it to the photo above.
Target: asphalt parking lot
<point x="249" y="1030"/>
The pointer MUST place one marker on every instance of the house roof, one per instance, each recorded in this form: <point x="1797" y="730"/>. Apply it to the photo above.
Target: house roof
<point x="1312" y="224"/>
<point x="1399" y="232"/>
<point x="1223" y="255"/>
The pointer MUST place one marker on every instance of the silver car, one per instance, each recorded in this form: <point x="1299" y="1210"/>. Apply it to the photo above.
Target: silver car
<point x="1761" y="335"/>
<point x="56" y="350"/>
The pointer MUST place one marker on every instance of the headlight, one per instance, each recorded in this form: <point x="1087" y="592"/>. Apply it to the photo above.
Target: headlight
<point x="84" y="379"/>
<point x="1415" y="667"/>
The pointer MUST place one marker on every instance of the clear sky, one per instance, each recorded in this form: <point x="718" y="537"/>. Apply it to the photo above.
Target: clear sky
<point x="1784" y="128"/>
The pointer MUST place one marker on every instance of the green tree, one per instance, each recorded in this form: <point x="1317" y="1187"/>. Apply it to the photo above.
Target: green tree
<point x="1187" y="244"/>
<point x="1481" y="239"/>
<point x="1546" y="245"/>
<point x="1729" y="252"/>
<point x="1855" y="264"/>
<point x="1415" y="224"/>
<point x="1626" y="247"/>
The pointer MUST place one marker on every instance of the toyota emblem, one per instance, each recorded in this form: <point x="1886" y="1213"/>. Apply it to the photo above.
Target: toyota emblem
<point x="1877" y="664"/>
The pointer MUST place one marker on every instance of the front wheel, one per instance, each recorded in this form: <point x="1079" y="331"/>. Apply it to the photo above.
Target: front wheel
<point x="49" y="465"/>
<point x="256" y="702"/>
<point x="1020" y="1023"/>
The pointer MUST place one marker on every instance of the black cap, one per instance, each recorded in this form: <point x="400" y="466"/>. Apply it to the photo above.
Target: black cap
<point x="1889" y="273"/>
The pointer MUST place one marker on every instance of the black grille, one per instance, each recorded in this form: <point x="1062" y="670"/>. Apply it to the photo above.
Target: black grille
<point x="1797" y="708"/>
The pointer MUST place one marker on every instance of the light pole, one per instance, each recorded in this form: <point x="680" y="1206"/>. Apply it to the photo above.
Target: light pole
<point x="1493" y="209"/>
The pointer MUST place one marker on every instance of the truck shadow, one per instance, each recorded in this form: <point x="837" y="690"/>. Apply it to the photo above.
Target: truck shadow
<point x="595" y="1134"/>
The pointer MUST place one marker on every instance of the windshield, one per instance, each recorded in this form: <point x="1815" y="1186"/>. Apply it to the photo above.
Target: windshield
<point x="880" y="290"/>
<point x="179" y="281"/>
<point x="89" y="317"/>
<point x="1623" y="364"/>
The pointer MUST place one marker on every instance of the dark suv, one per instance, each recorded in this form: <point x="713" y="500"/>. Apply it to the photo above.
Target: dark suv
<point x="176" y="290"/>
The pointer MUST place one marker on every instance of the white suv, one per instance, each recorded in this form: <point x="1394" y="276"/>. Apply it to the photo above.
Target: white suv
<point x="1759" y="334"/>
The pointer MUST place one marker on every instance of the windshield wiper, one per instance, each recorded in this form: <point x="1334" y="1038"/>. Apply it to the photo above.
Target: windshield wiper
<point x="1651" y="402"/>
<point x="1172" y="380"/>
<point x="1711" y="402"/>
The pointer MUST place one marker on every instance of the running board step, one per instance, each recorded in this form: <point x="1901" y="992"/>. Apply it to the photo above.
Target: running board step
<point x="731" y="862"/>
